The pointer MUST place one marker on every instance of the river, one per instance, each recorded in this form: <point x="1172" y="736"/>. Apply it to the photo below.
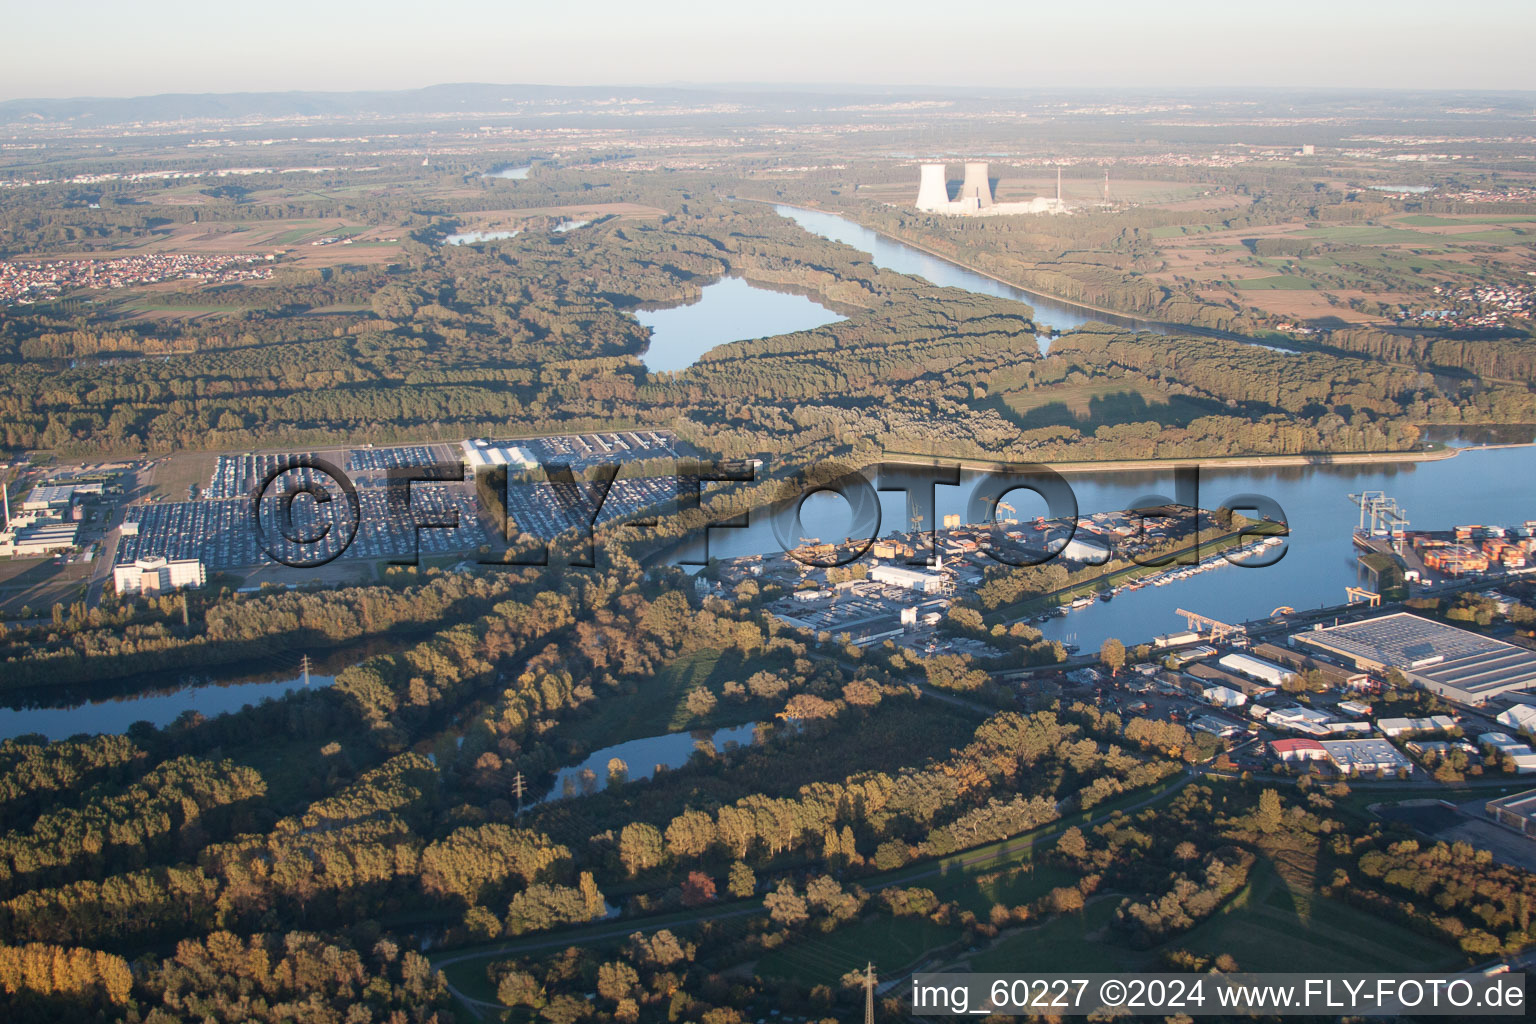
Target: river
<point x="1480" y="485"/>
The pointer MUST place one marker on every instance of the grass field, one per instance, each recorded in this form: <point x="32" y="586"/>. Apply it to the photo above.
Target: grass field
<point x="1268" y="925"/>
<point x="1424" y="220"/>
<point x="890" y="942"/>
<point x="1280" y="282"/>
<point x="1271" y="926"/>
<point x="659" y="706"/>
<point x="1368" y="234"/>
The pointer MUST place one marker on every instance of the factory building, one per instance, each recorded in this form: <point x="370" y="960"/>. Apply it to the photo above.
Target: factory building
<point x="1300" y="719"/>
<point x="910" y="579"/>
<point x="1295" y="751"/>
<point x="38" y="539"/>
<point x="158" y="575"/>
<point x="1365" y="756"/>
<point x="1520" y="717"/>
<point x="1223" y="696"/>
<point x="1085" y="550"/>
<point x="1255" y="668"/>
<point x="1394" y="727"/>
<point x="1516" y="811"/>
<point x="1451" y="662"/>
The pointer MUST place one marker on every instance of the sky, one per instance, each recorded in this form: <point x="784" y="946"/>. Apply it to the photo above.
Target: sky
<point x="60" y="48"/>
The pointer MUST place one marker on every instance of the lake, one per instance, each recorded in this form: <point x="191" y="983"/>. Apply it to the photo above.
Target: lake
<point x="729" y="310"/>
<point x="643" y="756"/>
<point x="114" y="715"/>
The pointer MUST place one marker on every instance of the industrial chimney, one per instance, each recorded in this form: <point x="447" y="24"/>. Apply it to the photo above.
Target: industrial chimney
<point x="932" y="189"/>
<point x="976" y="193"/>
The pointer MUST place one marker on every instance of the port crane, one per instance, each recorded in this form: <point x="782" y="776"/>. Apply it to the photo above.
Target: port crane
<point x="1219" y="630"/>
<point x="1359" y="594"/>
<point x="1385" y="515"/>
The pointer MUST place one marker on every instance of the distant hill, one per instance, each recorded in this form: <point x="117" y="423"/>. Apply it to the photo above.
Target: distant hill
<point x="436" y="99"/>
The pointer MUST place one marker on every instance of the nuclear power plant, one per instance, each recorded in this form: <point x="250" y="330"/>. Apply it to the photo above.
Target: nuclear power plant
<point x="975" y="198"/>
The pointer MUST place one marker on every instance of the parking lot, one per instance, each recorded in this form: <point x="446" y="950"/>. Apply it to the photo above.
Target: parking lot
<point x="223" y="534"/>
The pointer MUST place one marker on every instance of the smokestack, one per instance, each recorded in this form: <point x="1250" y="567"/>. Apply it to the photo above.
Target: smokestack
<point x="977" y="187"/>
<point x="932" y="189"/>
<point x="1058" y="183"/>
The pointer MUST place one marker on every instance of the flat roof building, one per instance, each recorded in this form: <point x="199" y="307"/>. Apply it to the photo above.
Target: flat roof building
<point x="1308" y="720"/>
<point x="1391" y="727"/>
<point x="1516" y="811"/>
<point x="1298" y="750"/>
<point x="1256" y="668"/>
<point x="1451" y="662"/>
<point x="910" y="579"/>
<point x="39" y="539"/>
<point x="1365" y="756"/>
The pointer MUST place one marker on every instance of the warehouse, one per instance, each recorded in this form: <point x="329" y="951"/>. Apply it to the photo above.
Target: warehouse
<point x="1256" y="668"/>
<point x="1366" y="757"/>
<point x="1291" y="751"/>
<point x="1451" y="662"/>
<point x="1223" y="696"/>
<point x="1516" y="811"/>
<point x="1394" y="727"/>
<point x="1520" y="717"/>
<point x="39" y="539"/>
<point x="910" y="579"/>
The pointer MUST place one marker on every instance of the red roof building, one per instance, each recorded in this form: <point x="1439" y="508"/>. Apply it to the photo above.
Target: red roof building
<point x="1298" y="750"/>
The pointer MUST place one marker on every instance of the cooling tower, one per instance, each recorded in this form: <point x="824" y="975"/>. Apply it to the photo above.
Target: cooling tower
<point x="932" y="189"/>
<point x="977" y="189"/>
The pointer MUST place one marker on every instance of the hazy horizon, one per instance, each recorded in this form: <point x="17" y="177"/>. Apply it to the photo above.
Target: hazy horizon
<point x="85" y="48"/>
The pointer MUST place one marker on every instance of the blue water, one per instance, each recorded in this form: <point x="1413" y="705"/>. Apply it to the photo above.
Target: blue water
<point x="728" y="310"/>
<point x="159" y="709"/>
<point x="642" y="757"/>
<point x="1486" y="486"/>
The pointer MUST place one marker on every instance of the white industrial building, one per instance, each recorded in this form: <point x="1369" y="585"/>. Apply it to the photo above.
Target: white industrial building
<point x="1521" y="718"/>
<point x="1223" y="696"/>
<point x="1085" y="550"/>
<point x="479" y="453"/>
<point x="38" y="538"/>
<point x="1500" y="741"/>
<point x="1365" y="756"/>
<point x="910" y="579"/>
<point x="1393" y="727"/>
<point x="1255" y="668"/>
<point x="1185" y="636"/>
<point x="158" y="575"/>
<point x="1307" y="720"/>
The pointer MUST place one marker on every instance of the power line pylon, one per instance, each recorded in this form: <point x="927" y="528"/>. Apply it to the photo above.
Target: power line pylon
<point x="869" y="993"/>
